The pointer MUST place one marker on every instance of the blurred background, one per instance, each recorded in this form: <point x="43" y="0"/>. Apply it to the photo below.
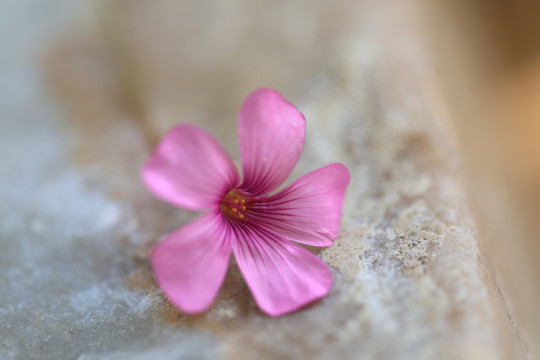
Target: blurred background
<point x="488" y="62"/>
<point x="440" y="100"/>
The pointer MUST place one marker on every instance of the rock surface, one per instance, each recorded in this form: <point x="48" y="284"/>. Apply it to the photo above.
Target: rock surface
<point x="77" y="225"/>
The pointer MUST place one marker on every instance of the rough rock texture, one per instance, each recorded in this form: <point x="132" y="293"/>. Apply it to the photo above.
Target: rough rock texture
<point x="77" y="225"/>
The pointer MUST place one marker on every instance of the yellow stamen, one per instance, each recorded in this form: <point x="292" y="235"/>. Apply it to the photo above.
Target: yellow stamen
<point x="234" y="204"/>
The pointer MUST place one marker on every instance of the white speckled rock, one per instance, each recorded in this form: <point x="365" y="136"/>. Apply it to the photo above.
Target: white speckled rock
<point x="76" y="224"/>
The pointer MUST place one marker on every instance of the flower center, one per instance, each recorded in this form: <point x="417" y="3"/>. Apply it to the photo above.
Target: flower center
<point x="234" y="205"/>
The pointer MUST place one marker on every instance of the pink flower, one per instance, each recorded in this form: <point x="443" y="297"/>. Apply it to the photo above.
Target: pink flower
<point x="190" y="169"/>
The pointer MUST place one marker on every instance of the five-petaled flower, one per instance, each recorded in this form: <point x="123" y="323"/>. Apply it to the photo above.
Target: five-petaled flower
<point x="191" y="170"/>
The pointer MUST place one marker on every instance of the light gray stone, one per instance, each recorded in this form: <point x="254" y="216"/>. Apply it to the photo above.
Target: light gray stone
<point x="77" y="225"/>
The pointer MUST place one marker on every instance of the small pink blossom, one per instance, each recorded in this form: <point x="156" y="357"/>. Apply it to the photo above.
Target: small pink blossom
<point x="190" y="169"/>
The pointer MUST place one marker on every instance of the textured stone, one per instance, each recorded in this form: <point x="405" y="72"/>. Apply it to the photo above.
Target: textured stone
<point x="77" y="225"/>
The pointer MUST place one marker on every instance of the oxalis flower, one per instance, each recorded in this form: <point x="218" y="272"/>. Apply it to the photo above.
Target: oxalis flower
<point x="190" y="169"/>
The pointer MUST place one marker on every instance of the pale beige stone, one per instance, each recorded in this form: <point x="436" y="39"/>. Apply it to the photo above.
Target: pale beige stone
<point x="410" y="282"/>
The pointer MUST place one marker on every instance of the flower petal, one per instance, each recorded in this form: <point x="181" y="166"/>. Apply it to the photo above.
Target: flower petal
<point x="190" y="263"/>
<point x="307" y="211"/>
<point x="282" y="276"/>
<point x="271" y="133"/>
<point x="189" y="168"/>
